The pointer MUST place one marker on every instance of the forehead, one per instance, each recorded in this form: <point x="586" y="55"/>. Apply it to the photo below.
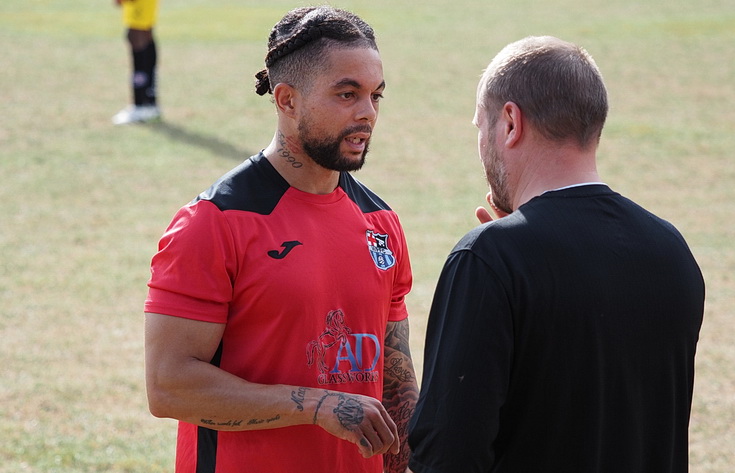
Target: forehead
<point x="352" y="66"/>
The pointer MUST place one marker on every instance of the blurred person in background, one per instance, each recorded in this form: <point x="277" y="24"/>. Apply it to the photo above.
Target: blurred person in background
<point x="139" y="17"/>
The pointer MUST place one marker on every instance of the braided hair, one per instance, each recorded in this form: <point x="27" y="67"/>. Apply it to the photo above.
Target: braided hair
<point x="297" y="44"/>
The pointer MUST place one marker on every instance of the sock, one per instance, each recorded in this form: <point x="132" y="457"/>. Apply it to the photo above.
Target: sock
<point x="144" y="75"/>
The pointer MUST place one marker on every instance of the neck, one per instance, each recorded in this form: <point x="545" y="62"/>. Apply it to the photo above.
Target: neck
<point x="560" y="168"/>
<point x="298" y="169"/>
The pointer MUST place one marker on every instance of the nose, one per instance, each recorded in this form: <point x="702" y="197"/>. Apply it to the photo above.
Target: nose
<point x="367" y="109"/>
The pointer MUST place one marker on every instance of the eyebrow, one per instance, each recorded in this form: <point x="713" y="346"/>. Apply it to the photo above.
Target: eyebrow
<point x="354" y="83"/>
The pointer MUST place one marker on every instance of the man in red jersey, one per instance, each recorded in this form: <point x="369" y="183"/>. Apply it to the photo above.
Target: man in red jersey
<point x="276" y="327"/>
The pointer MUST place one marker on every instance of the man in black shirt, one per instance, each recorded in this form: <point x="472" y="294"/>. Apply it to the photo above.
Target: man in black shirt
<point x="562" y="336"/>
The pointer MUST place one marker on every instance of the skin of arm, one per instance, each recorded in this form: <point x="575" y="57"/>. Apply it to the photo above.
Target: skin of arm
<point x="182" y="384"/>
<point x="400" y="390"/>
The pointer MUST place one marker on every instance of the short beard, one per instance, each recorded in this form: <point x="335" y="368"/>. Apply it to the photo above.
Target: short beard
<point x="497" y="178"/>
<point x="326" y="152"/>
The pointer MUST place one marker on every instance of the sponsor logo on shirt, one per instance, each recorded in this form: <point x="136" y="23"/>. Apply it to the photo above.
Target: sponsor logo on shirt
<point x="378" y="246"/>
<point x="342" y="356"/>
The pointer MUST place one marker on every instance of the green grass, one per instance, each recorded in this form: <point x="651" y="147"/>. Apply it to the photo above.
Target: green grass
<point x="84" y="203"/>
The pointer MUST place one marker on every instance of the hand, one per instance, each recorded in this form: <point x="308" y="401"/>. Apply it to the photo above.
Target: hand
<point x="358" y="419"/>
<point x="484" y="215"/>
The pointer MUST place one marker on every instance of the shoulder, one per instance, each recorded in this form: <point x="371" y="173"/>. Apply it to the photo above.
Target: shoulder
<point x="496" y="232"/>
<point x="253" y="186"/>
<point x="367" y="200"/>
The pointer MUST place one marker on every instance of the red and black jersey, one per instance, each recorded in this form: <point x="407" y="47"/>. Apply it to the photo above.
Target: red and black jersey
<point x="305" y="284"/>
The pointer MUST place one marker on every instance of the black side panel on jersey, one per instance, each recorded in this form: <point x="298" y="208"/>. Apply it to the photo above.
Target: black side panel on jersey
<point x="207" y="438"/>
<point x="206" y="450"/>
<point x="253" y="186"/>
<point x="366" y="199"/>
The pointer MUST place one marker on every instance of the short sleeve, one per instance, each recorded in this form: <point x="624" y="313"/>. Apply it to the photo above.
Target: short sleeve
<point x="403" y="279"/>
<point x="193" y="271"/>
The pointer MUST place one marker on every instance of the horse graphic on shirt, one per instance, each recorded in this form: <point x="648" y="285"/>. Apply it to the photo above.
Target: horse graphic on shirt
<point x="336" y="332"/>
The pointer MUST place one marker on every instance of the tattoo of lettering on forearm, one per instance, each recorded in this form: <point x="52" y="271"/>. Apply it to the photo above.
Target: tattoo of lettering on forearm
<point x="349" y="410"/>
<point x="401" y="415"/>
<point x="284" y="152"/>
<point x="298" y="397"/>
<point x="394" y="368"/>
<point x="227" y="423"/>
<point x="264" y="421"/>
<point x="398" y="368"/>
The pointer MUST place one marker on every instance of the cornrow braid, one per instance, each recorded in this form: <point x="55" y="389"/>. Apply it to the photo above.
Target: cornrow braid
<point x="323" y="22"/>
<point x="297" y="41"/>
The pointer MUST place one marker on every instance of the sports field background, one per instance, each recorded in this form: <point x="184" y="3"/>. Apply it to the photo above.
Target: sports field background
<point x="83" y="203"/>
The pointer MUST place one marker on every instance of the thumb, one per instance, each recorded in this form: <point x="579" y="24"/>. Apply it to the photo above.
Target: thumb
<point x="483" y="215"/>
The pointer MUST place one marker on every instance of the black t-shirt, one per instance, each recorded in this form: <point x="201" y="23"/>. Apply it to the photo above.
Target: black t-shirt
<point x="561" y="339"/>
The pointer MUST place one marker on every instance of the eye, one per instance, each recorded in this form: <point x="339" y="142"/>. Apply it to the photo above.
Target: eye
<point x="377" y="97"/>
<point x="346" y="95"/>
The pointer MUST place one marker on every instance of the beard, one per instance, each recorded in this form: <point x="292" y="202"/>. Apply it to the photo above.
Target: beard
<point x="325" y="151"/>
<point x="497" y="178"/>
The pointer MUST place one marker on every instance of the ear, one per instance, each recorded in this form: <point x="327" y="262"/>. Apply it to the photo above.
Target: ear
<point x="513" y="124"/>
<point x="286" y="98"/>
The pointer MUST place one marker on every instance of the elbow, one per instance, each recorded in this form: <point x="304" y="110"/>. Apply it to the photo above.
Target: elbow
<point x="157" y="408"/>
<point x="158" y="404"/>
<point x="161" y="400"/>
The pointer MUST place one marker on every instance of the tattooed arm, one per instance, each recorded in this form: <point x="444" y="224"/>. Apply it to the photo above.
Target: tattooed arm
<point x="182" y="384"/>
<point x="400" y="390"/>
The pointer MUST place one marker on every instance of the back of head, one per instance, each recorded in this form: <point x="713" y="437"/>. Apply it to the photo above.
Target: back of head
<point x="556" y="84"/>
<point x="298" y="44"/>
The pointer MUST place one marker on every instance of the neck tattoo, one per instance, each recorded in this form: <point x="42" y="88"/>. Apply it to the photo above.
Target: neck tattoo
<point x="284" y="152"/>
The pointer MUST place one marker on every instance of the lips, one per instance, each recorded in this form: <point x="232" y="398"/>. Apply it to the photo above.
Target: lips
<point x="357" y="141"/>
<point x="358" y="138"/>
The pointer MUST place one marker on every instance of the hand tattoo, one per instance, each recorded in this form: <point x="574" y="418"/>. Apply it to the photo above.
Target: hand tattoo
<point x="349" y="410"/>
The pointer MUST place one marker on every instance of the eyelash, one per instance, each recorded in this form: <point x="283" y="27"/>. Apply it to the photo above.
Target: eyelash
<point x="376" y="97"/>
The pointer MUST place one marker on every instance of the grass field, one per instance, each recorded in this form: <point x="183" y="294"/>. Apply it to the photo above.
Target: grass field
<point x="84" y="203"/>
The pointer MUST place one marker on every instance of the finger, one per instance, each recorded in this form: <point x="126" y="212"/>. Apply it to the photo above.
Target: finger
<point x="483" y="215"/>
<point x="365" y="448"/>
<point x="372" y="442"/>
<point x="395" y="444"/>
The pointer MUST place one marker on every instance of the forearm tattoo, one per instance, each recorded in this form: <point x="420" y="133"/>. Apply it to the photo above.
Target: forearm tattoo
<point x="298" y="397"/>
<point x="216" y="425"/>
<point x="238" y="423"/>
<point x="400" y="390"/>
<point x="284" y="151"/>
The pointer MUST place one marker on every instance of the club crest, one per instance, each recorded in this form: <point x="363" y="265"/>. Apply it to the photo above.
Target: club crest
<point x="378" y="246"/>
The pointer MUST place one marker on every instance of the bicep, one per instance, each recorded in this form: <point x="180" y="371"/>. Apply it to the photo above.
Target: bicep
<point x="396" y="337"/>
<point x="170" y="340"/>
